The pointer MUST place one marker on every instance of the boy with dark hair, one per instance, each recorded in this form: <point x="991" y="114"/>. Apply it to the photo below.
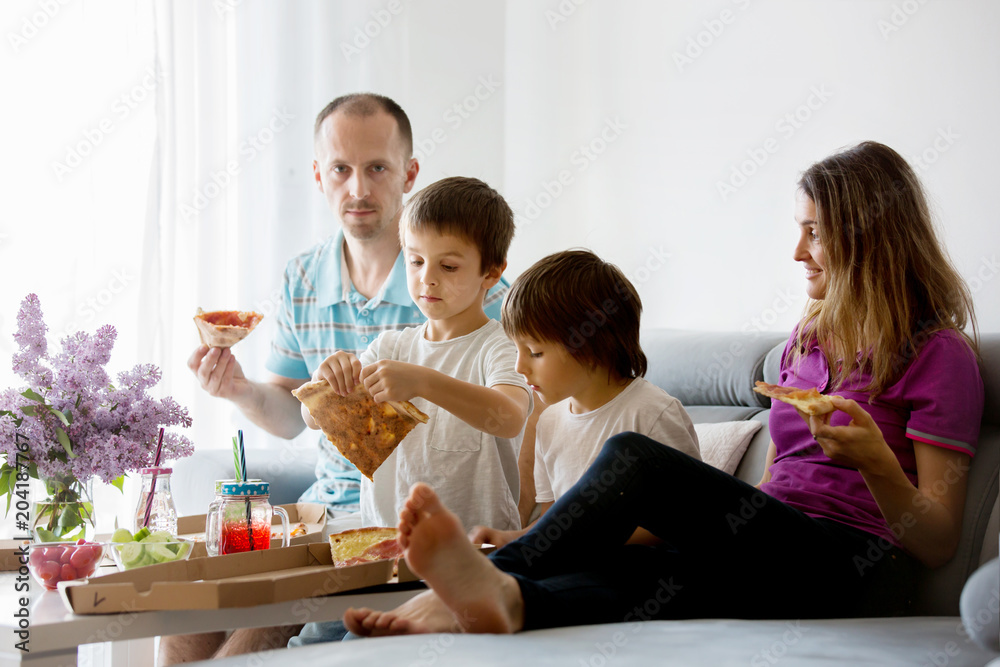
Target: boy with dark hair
<point x="458" y="367"/>
<point x="575" y="321"/>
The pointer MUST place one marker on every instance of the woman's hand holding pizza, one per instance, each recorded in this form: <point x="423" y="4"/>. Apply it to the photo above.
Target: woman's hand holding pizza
<point x="388" y="380"/>
<point x="342" y="370"/>
<point x="859" y="444"/>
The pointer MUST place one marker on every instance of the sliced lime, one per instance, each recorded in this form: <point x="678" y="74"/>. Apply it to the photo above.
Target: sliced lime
<point x="122" y="535"/>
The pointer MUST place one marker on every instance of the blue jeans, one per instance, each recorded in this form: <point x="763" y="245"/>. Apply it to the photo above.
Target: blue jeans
<point x="318" y="633"/>
<point x="728" y="551"/>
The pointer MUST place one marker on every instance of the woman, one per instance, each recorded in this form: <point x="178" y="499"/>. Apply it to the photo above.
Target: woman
<point x="851" y="504"/>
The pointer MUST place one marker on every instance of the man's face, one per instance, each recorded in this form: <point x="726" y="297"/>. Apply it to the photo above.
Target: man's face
<point x="363" y="169"/>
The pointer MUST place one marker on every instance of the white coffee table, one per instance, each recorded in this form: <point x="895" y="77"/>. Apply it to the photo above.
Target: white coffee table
<point x="55" y="633"/>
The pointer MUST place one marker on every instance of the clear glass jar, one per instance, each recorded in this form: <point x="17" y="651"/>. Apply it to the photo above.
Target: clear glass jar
<point x="162" y="512"/>
<point x="212" y="517"/>
<point x="244" y="518"/>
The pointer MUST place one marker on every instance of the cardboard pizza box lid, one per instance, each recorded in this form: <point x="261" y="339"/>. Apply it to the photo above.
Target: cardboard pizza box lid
<point x="10" y="554"/>
<point x="235" y="580"/>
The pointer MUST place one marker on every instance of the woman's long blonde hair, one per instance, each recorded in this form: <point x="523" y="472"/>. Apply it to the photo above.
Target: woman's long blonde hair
<point x="889" y="282"/>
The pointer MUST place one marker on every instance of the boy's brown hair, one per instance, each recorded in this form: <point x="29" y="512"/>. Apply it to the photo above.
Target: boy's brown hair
<point x="587" y="305"/>
<point x="467" y="208"/>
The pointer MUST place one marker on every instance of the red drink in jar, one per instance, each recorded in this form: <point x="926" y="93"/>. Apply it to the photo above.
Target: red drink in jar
<point x="236" y="538"/>
<point x="241" y="518"/>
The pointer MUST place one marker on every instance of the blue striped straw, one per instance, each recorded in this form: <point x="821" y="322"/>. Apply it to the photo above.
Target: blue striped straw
<point x="243" y="458"/>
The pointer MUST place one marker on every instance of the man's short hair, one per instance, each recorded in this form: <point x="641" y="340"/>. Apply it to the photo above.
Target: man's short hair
<point x="467" y="208"/>
<point x="585" y="304"/>
<point x="368" y="104"/>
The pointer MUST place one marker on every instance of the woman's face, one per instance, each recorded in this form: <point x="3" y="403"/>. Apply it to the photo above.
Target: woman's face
<point x="809" y="250"/>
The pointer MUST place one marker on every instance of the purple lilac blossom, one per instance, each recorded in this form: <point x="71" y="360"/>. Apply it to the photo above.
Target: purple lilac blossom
<point x="113" y="430"/>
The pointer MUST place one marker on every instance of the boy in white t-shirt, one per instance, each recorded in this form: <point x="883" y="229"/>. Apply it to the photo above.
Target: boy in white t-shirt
<point x="575" y="321"/>
<point x="458" y="367"/>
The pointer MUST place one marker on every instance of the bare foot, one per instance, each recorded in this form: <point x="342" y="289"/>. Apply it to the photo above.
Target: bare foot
<point x="421" y="614"/>
<point x="481" y="598"/>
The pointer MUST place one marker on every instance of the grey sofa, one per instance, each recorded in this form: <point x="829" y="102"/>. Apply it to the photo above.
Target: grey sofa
<point x="713" y="375"/>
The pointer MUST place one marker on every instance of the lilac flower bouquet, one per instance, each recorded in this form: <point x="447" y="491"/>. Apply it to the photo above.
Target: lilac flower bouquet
<point x="70" y="424"/>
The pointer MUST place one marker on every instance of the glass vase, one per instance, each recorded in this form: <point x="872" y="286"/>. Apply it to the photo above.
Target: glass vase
<point x="63" y="510"/>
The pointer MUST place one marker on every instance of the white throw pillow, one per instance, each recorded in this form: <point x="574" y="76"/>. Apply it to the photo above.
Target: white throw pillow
<point x="723" y="444"/>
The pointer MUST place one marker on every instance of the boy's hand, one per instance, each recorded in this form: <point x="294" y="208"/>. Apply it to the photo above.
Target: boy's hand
<point x="393" y="380"/>
<point x="342" y="370"/>
<point x="498" y="538"/>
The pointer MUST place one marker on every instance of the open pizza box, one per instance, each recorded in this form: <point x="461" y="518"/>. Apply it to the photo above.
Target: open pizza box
<point x="235" y="580"/>
<point x="312" y="515"/>
<point x="10" y="555"/>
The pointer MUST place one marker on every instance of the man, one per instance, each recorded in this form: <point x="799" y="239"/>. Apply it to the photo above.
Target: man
<point x="341" y="294"/>
<point x="338" y="296"/>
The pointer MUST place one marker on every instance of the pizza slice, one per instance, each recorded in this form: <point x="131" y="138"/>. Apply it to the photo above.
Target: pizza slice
<point x="225" y="328"/>
<point x="809" y="401"/>
<point x="364" y="545"/>
<point x="364" y="431"/>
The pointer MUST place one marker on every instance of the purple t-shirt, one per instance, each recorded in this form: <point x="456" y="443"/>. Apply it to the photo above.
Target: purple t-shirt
<point x="938" y="400"/>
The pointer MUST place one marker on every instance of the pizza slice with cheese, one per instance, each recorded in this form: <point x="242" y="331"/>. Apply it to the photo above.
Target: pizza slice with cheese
<point x="364" y="545"/>
<point x="364" y="431"/>
<point x="809" y="401"/>
<point x="225" y="328"/>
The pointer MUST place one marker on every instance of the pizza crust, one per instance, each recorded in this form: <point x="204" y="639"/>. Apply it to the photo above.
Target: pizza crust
<point x="809" y="401"/>
<point x="225" y="328"/>
<point x="364" y="431"/>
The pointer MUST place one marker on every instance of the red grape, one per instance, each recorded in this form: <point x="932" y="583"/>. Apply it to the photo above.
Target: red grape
<point x="48" y="570"/>
<point x="82" y="558"/>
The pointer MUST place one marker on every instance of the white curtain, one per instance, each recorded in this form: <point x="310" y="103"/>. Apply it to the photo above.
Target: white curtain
<point x="232" y="196"/>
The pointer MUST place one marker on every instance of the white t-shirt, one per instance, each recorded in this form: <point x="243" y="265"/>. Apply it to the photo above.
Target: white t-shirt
<point x="566" y="443"/>
<point x="474" y="473"/>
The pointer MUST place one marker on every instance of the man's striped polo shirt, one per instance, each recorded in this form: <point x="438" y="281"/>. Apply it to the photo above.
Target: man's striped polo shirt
<point x="321" y="313"/>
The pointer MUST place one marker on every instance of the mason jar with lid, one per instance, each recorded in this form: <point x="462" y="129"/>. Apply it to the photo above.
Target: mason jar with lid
<point x="244" y="518"/>
<point x="211" y="517"/>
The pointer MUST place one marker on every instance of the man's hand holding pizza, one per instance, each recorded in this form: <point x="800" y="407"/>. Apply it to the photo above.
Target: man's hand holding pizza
<point x="219" y="373"/>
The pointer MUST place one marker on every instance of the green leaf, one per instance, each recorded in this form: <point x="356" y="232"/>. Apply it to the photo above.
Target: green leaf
<point x="33" y="395"/>
<point x="59" y="415"/>
<point x="119" y="483"/>
<point x="70" y="518"/>
<point x="17" y="418"/>
<point x="64" y="441"/>
<point x="46" y="535"/>
<point x="7" y="483"/>
<point x="29" y="410"/>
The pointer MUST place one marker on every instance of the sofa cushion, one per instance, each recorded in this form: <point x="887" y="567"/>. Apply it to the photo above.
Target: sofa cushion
<point x="880" y="641"/>
<point x="989" y="350"/>
<point x="709" y="368"/>
<point x="722" y="445"/>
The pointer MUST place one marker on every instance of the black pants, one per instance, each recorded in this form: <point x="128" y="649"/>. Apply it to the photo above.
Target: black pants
<point x="729" y="551"/>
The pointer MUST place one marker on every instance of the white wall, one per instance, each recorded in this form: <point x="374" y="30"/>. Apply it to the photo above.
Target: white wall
<point x="689" y="123"/>
<point x="689" y="92"/>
